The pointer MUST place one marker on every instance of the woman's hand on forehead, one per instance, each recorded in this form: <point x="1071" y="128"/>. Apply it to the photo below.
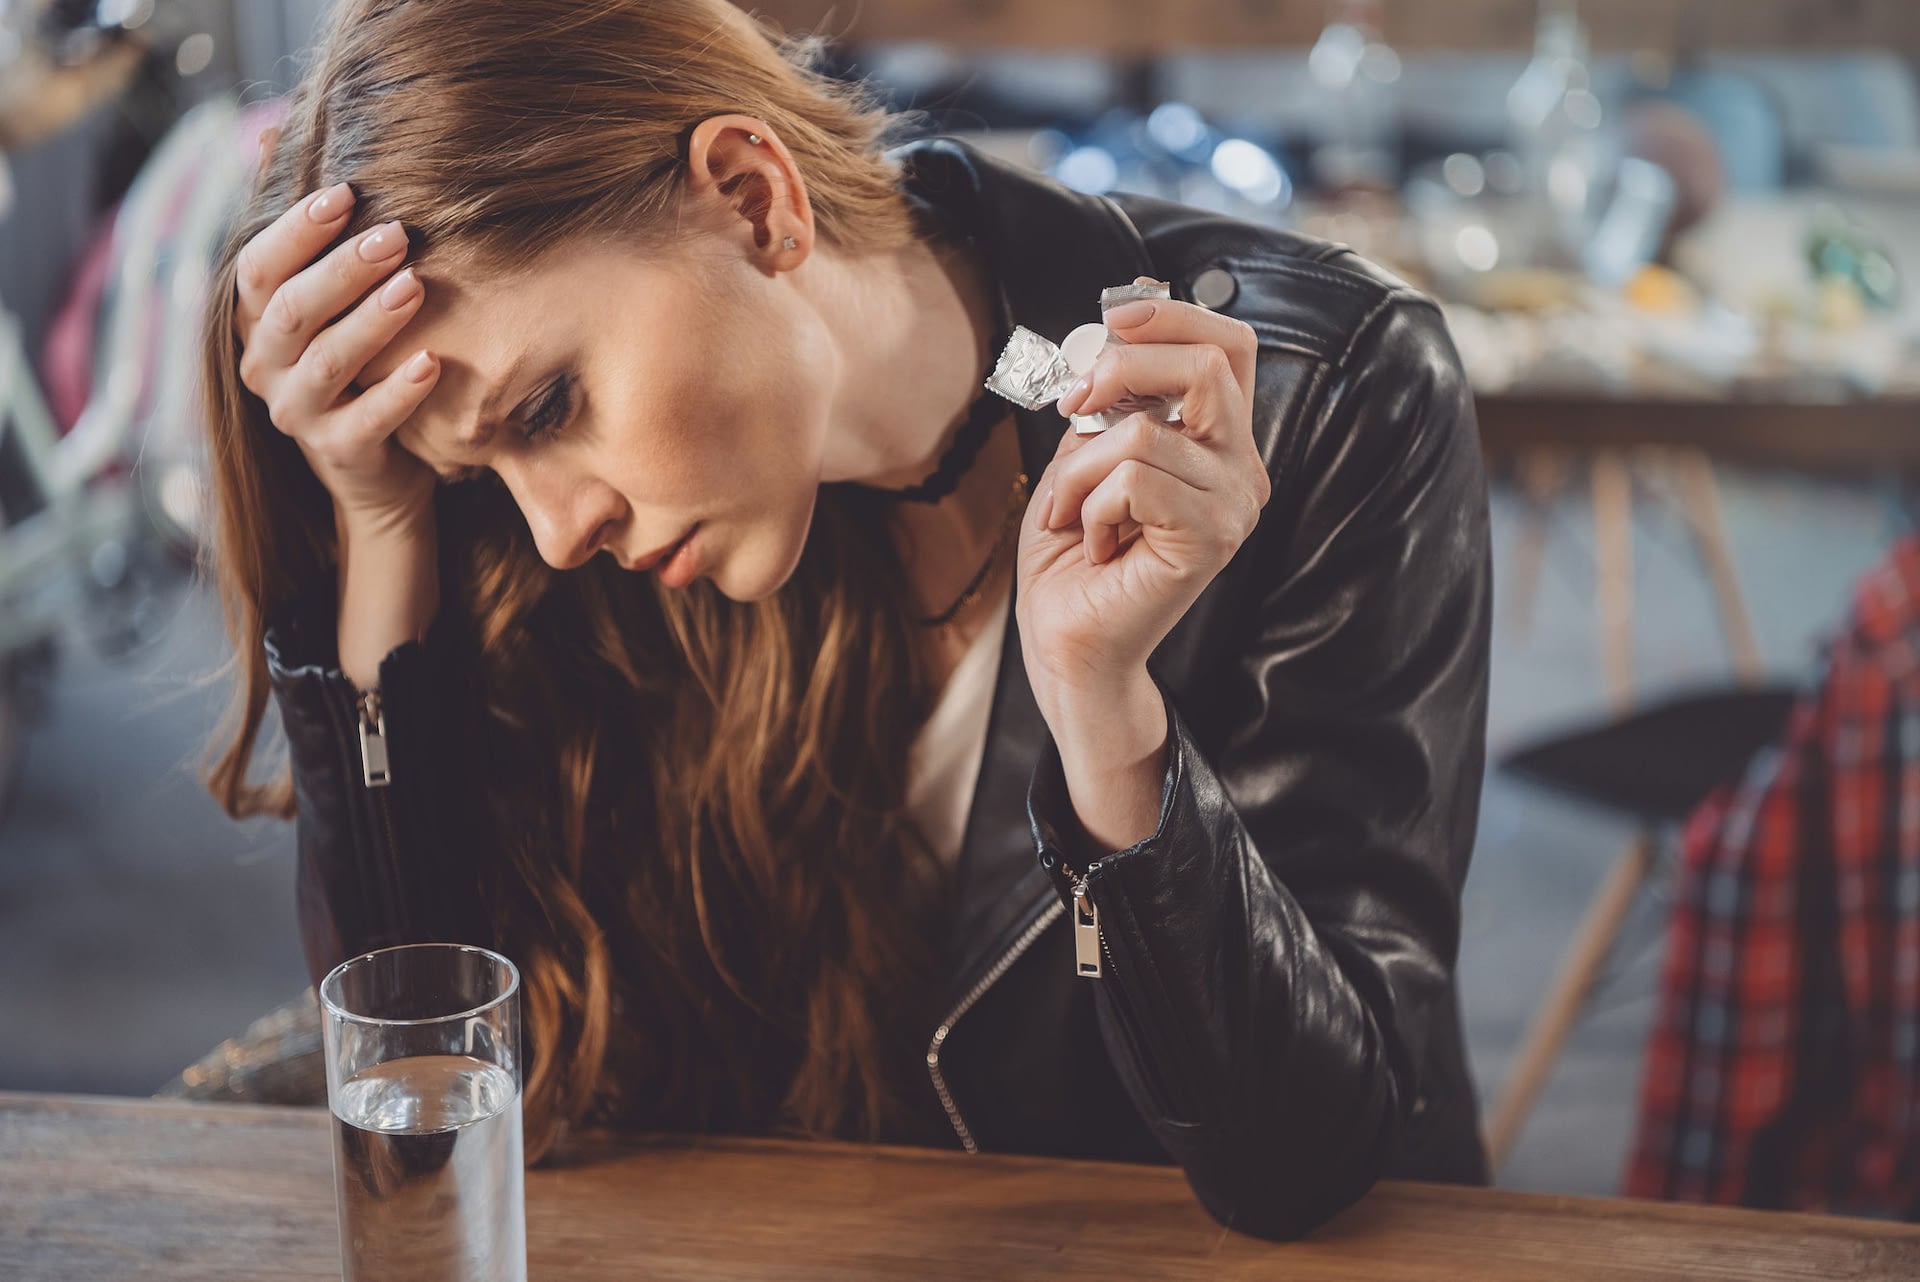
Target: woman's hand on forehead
<point x="309" y="322"/>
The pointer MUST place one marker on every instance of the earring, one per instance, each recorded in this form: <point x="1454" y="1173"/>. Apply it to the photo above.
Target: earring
<point x="791" y="243"/>
<point x="754" y="139"/>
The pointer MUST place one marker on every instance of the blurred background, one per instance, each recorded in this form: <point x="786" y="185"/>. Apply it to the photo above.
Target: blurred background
<point x="1676" y="240"/>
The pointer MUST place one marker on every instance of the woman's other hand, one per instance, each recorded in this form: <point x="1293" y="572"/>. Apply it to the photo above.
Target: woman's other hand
<point x="1126" y="529"/>
<point x="307" y="328"/>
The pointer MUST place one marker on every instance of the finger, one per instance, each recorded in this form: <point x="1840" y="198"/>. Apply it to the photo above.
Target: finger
<point x="1202" y="373"/>
<point x="1140" y="494"/>
<point x="380" y="410"/>
<point x="337" y="354"/>
<point x="1064" y="448"/>
<point x="1161" y="321"/>
<point x="313" y="298"/>
<point x="1139" y="437"/>
<point x="283" y="247"/>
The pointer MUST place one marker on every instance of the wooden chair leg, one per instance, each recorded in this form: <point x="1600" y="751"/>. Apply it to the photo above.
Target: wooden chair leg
<point x="1542" y="475"/>
<point x="1554" y="1018"/>
<point x="1704" y="518"/>
<point x="1613" y="556"/>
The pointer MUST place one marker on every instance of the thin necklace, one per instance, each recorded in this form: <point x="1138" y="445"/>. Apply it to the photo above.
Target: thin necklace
<point x="1016" y="504"/>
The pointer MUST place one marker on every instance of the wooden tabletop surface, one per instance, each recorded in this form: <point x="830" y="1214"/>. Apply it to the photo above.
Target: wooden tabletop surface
<point x="104" y="1189"/>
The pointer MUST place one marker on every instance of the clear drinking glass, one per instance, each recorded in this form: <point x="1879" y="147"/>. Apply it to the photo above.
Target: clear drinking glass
<point x="423" y="1079"/>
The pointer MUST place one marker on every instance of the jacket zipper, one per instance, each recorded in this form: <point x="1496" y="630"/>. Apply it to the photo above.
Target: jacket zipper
<point x="1091" y="957"/>
<point x="373" y="763"/>
<point x="373" y="740"/>
<point x="1047" y="917"/>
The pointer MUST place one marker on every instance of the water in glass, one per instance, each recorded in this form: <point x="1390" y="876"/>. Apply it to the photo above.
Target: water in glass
<point x="427" y="1165"/>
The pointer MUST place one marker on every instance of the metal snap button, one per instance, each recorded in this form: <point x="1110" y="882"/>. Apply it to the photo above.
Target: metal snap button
<point x="1214" y="288"/>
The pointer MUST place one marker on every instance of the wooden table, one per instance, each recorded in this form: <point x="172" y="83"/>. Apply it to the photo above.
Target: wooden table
<point x="1871" y="435"/>
<point x="101" y="1189"/>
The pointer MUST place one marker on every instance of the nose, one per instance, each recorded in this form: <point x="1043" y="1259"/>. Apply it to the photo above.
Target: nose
<point x="570" y="516"/>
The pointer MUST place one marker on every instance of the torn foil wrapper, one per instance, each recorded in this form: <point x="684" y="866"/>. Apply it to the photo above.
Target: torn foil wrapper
<point x="1032" y="372"/>
<point x="1114" y="295"/>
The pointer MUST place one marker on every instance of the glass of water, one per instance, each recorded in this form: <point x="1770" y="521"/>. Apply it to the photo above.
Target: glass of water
<point x="423" y="1079"/>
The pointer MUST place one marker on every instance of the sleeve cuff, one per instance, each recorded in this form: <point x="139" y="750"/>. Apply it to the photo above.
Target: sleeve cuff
<point x="1057" y="832"/>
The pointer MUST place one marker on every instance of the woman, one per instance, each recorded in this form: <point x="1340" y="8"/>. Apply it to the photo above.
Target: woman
<point x="946" y="777"/>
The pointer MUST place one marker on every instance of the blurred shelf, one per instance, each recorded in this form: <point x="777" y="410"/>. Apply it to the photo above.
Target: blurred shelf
<point x="1881" y="434"/>
<point x="1150" y="27"/>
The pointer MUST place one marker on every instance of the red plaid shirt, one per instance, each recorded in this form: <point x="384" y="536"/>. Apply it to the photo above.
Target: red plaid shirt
<point x="1783" y="1069"/>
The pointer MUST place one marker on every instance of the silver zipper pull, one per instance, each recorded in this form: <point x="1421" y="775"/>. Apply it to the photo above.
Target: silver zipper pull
<point x="373" y="741"/>
<point x="1086" y="934"/>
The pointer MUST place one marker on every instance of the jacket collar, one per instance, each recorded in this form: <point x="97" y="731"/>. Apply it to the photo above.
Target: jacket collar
<point x="1051" y="251"/>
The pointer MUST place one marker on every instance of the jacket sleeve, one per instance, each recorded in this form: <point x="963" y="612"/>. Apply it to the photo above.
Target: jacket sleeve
<point x="1276" y="950"/>
<point x="377" y="866"/>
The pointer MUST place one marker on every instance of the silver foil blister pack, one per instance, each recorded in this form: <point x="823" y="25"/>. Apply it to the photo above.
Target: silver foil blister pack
<point x="1031" y="372"/>
<point x="1034" y="372"/>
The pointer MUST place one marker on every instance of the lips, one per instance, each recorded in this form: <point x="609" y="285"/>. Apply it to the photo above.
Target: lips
<point x="682" y="565"/>
<point x="660" y="555"/>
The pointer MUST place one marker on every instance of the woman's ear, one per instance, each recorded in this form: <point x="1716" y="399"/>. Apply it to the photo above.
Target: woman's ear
<point x="743" y="179"/>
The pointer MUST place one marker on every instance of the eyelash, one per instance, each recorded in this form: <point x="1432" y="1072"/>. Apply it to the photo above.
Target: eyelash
<point x="547" y="418"/>
<point x="550" y="415"/>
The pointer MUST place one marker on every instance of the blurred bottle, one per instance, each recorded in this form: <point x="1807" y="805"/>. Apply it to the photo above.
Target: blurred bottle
<point x="1553" y="122"/>
<point x="1359" y="142"/>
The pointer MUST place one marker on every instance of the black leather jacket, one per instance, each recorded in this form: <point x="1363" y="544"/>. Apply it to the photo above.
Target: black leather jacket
<point x="1277" y="1011"/>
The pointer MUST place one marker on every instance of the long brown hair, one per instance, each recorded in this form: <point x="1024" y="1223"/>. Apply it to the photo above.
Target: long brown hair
<point x="702" y="866"/>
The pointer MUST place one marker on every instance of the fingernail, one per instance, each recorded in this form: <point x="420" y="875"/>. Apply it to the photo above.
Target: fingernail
<point x="400" y="290"/>
<point x="331" y="203"/>
<point x="1127" y="315"/>
<point x="418" y="368"/>
<point x="383" y="241"/>
<point x="1078" y="392"/>
<point x="1043" y="509"/>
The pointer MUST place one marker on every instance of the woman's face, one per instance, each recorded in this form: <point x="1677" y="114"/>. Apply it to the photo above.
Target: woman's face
<point x="625" y="401"/>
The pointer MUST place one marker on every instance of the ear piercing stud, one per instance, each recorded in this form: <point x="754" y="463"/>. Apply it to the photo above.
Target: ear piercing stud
<point x="754" y="139"/>
<point x="791" y="243"/>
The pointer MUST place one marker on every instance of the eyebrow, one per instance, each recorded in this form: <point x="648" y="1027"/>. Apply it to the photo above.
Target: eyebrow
<point x="480" y="434"/>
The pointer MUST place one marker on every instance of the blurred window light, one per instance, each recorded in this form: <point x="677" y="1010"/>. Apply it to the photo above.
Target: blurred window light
<point x="1177" y="127"/>
<point x="1505" y="174"/>
<point x="1380" y="63"/>
<point x="1088" y="169"/>
<point x="1465" y="174"/>
<point x="194" y="53"/>
<point x="1248" y="169"/>
<point x="1477" y="247"/>
<point x="1583" y="109"/>
<point x="915" y="63"/>
<point x="123" y="13"/>
<point x="1336" y="55"/>
<point x="1047" y="147"/>
<point x="1567" y="183"/>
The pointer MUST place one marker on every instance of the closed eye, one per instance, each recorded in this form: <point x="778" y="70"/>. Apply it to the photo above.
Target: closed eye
<point x="551" y="412"/>
<point x="548" y="415"/>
